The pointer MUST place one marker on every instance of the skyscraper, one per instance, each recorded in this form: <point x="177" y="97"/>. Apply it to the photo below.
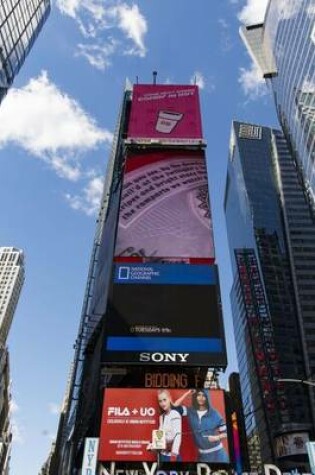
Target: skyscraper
<point x="11" y="281"/>
<point x="284" y="49"/>
<point x="5" y="425"/>
<point x="270" y="231"/>
<point x="20" y="24"/>
<point x="152" y="317"/>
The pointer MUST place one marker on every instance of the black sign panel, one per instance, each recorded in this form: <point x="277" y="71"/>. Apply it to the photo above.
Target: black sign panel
<point x="165" y="314"/>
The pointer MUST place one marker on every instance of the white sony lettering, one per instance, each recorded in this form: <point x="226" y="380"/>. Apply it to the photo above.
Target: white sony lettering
<point x="168" y="357"/>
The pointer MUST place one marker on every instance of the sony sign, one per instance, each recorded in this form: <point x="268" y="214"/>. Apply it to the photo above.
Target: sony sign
<point x="164" y="357"/>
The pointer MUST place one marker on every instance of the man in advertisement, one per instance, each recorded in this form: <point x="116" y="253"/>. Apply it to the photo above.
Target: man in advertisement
<point x="207" y="425"/>
<point x="194" y="431"/>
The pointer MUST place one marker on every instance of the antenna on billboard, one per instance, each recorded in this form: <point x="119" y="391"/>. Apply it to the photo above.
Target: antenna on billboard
<point x="195" y="80"/>
<point x="154" y="77"/>
<point x="137" y="79"/>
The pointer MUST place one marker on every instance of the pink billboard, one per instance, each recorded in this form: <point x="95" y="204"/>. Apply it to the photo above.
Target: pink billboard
<point x="165" y="111"/>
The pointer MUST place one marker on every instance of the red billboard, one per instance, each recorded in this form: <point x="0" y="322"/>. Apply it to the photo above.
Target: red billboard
<point x="193" y="424"/>
<point x="164" y="210"/>
<point x="165" y="112"/>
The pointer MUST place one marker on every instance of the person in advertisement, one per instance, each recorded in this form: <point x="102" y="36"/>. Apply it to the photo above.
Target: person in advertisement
<point x="207" y="425"/>
<point x="170" y="421"/>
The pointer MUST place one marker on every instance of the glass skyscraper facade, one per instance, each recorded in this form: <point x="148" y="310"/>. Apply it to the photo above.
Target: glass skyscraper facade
<point x="284" y="49"/>
<point x="20" y="24"/>
<point x="265" y="207"/>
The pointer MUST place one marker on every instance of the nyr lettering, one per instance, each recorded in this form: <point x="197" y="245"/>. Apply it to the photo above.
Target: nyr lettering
<point x="164" y="357"/>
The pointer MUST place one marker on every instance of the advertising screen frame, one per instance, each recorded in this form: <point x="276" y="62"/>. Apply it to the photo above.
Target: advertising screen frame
<point x="165" y="112"/>
<point x="166" y="315"/>
<point x="165" y="213"/>
<point x="129" y="417"/>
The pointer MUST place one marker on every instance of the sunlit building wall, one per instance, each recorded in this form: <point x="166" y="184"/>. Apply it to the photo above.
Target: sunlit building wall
<point x="11" y="282"/>
<point x="284" y="49"/>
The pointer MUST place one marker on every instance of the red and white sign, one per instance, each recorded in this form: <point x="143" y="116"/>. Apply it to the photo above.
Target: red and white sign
<point x="132" y="416"/>
<point x="165" y="111"/>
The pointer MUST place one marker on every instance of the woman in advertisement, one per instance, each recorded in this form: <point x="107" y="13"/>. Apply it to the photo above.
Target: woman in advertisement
<point x="207" y="425"/>
<point x="171" y="423"/>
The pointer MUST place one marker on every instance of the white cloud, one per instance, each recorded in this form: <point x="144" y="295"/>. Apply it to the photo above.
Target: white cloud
<point x="54" y="408"/>
<point x="96" y="18"/>
<point x="253" y="12"/>
<point x="225" y="36"/>
<point x="198" y="79"/>
<point x="69" y="7"/>
<point x="17" y="432"/>
<point x="252" y="82"/>
<point x="98" y="55"/>
<point x="134" y="25"/>
<point x="50" y="125"/>
<point x="14" y="408"/>
<point x="207" y="84"/>
<point x="89" y="201"/>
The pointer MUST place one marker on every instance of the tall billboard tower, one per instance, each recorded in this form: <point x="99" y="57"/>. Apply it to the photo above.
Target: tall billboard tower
<point x="152" y="323"/>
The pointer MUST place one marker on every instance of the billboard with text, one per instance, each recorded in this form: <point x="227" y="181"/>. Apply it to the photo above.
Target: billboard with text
<point x="131" y="418"/>
<point x="164" y="314"/>
<point x="164" y="210"/>
<point x="165" y="111"/>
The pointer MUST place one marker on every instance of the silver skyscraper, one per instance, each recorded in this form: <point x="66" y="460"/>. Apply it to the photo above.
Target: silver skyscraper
<point x="284" y="49"/>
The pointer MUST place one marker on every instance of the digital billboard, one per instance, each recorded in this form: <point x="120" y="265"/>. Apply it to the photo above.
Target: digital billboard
<point x="164" y="210"/>
<point x="165" y="111"/>
<point x="192" y="422"/>
<point x="291" y="444"/>
<point x="165" y="314"/>
<point x="261" y="331"/>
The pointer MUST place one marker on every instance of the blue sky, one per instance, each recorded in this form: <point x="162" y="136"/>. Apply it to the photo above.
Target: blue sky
<point x="56" y="129"/>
